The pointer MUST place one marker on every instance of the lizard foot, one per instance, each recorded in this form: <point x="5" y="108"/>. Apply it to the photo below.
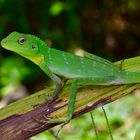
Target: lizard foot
<point x="61" y="120"/>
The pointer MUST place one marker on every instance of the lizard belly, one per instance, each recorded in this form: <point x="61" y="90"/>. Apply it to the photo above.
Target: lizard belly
<point x="66" y="74"/>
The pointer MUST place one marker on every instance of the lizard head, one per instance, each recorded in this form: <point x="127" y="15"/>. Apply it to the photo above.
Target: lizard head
<point x="23" y="44"/>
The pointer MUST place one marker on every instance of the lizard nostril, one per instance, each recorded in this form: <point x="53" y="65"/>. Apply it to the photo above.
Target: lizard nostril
<point x="3" y="42"/>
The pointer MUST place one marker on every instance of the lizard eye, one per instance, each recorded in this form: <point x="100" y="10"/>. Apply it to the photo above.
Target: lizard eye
<point x="21" y="40"/>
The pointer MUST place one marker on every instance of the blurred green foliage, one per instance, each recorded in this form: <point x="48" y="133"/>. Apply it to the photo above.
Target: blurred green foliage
<point x="12" y="71"/>
<point x="109" y="28"/>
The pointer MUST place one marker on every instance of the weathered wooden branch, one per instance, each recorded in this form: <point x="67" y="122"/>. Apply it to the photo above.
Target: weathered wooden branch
<point x="28" y="117"/>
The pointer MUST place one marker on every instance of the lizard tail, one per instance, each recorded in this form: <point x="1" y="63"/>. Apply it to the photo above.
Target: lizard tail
<point x="130" y="77"/>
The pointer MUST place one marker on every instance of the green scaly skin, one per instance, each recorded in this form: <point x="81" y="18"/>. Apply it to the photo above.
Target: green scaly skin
<point x="88" y="70"/>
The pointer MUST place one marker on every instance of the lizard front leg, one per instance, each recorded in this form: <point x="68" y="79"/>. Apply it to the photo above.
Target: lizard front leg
<point x="58" y="88"/>
<point x="73" y="93"/>
<point x="55" y="78"/>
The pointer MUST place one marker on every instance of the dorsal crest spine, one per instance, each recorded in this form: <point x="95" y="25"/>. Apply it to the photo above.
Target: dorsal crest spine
<point x="39" y="41"/>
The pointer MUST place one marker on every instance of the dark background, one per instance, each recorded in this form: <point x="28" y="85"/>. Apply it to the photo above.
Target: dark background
<point x="108" y="28"/>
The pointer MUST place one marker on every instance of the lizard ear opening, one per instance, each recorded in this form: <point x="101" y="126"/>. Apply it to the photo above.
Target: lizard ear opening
<point x="34" y="47"/>
<point x="21" y="40"/>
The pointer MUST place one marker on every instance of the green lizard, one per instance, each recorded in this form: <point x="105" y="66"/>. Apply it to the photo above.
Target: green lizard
<point x="88" y="70"/>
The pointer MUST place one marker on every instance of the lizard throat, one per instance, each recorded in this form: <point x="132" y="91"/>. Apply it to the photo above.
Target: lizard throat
<point x="36" y="59"/>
